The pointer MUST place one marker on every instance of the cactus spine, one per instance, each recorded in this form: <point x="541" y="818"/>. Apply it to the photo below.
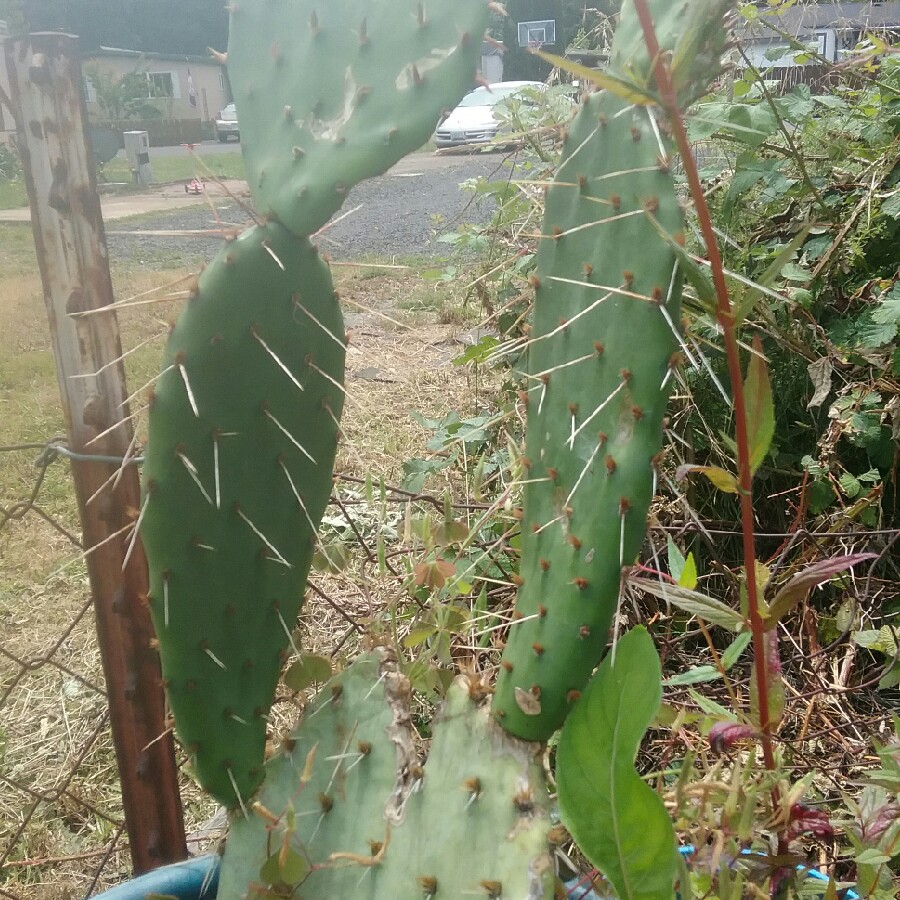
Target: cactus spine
<point x="245" y="416"/>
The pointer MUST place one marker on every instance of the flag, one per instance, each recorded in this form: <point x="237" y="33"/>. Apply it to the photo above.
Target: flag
<point x="192" y="91"/>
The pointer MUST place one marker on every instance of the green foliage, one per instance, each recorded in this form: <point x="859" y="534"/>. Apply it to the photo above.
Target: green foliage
<point x="122" y="96"/>
<point x="163" y="26"/>
<point x="618" y="821"/>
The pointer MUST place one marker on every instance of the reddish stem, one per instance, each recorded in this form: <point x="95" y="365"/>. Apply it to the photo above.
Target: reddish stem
<point x="725" y="316"/>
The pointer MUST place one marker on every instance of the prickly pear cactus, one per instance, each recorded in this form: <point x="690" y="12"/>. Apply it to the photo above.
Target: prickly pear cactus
<point x="347" y="810"/>
<point x="330" y="92"/>
<point x="244" y="422"/>
<point x="243" y="433"/>
<point x="599" y="367"/>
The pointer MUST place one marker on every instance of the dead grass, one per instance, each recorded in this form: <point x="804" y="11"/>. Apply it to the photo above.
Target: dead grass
<point x="53" y="719"/>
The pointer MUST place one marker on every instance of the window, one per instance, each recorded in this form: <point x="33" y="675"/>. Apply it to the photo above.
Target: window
<point x="163" y="85"/>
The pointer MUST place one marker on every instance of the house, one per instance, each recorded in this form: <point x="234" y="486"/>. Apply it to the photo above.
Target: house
<point x="830" y="30"/>
<point x="190" y="90"/>
<point x="185" y="93"/>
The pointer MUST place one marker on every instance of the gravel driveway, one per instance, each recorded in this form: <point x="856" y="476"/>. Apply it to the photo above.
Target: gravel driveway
<point x="397" y="216"/>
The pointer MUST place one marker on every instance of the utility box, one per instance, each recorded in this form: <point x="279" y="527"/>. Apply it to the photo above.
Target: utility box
<point x="137" y="152"/>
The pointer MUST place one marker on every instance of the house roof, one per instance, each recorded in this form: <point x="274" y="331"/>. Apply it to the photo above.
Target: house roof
<point x="138" y="54"/>
<point x="809" y="15"/>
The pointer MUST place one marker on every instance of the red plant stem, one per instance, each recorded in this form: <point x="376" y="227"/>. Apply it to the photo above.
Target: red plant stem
<point x="725" y="316"/>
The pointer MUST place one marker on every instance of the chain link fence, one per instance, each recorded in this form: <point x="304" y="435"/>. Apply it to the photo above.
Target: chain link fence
<point x="61" y="823"/>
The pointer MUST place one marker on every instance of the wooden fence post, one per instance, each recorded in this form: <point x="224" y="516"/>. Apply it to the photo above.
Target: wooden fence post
<point x="46" y="88"/>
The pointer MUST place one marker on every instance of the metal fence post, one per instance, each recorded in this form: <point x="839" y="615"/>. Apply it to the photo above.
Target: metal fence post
<point x="45" y="80"/>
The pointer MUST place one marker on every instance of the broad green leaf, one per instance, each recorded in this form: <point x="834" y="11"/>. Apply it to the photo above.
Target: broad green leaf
<point x="619" y="823"/>
<point x="697" y="675"/>
<point x="693" y="602"/>
<point x="760" y="408"/>
<point x="310" y="668"/>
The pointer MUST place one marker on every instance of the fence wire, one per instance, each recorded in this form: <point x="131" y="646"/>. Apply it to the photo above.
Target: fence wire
<point x="62" y="833"/>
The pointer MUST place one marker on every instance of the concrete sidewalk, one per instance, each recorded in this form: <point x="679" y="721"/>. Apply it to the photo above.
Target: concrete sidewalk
<point x="160" y="199"/>
<point x="172" y="196"/>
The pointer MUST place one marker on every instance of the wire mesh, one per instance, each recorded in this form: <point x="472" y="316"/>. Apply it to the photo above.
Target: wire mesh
<point x="61" y="821"/>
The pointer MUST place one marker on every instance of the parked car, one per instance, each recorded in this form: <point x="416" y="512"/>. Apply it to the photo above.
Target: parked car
<point x="473" y="121"/>
<point x="227" y="124"/>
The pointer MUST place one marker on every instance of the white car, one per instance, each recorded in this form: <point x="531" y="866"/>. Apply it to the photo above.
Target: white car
<point x="227" y="124"/>
<point x="473" y="121"/>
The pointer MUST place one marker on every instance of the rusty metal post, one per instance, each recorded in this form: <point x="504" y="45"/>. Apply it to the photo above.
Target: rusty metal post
<point x="45" y="81"/>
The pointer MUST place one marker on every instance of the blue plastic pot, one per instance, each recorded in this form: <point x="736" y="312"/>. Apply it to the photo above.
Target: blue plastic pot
<point x="198" y="879"/>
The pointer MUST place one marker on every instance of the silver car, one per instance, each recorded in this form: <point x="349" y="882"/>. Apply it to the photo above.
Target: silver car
<point x="473" y="121"/>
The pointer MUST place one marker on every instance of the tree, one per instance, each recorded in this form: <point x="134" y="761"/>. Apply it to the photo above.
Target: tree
<point x="161" y="26"/>
<point x="122" y="97"/>
<point x="11" y="12"/>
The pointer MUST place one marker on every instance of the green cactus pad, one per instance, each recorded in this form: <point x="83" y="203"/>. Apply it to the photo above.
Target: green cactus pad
<point x="694" y="32"/>
<point x="599" y="365"/>
<point x="242" y="438"/>
<point x="371" y="823"/>
<point x="330" y="92"/>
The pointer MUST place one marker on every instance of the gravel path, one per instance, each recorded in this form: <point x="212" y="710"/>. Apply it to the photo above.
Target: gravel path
<point x="398" y="216"/>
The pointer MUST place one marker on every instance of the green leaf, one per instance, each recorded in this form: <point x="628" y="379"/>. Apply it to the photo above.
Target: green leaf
<point x="711" y="708"/>
<point x="872" y="857"/>
<point x="676" y="560"/>
<point x="309" y="669"/>
<point x="734" y="650"/>
<point x="619" y="823"/>
<point x="693" y="602"/>
<point x="696" y="675"/>
<point x="688" y="577"/>
<point x="760" y="408"/>
<point x="288" y="868"/>
<point x="418" y="636"/>
<point x="627" y="90"/>
<point x="720" y="478"/>
<point x="888" y="312"/>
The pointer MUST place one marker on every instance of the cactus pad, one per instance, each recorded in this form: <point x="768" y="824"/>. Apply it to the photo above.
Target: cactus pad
<point x="351" y="800"/>
<point x="330" y="92"/>
<point x="599" y="365"/>
<point x="243" y="433"/>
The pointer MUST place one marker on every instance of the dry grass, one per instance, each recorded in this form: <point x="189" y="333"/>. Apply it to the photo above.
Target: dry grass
<point x="52" y="722"/>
